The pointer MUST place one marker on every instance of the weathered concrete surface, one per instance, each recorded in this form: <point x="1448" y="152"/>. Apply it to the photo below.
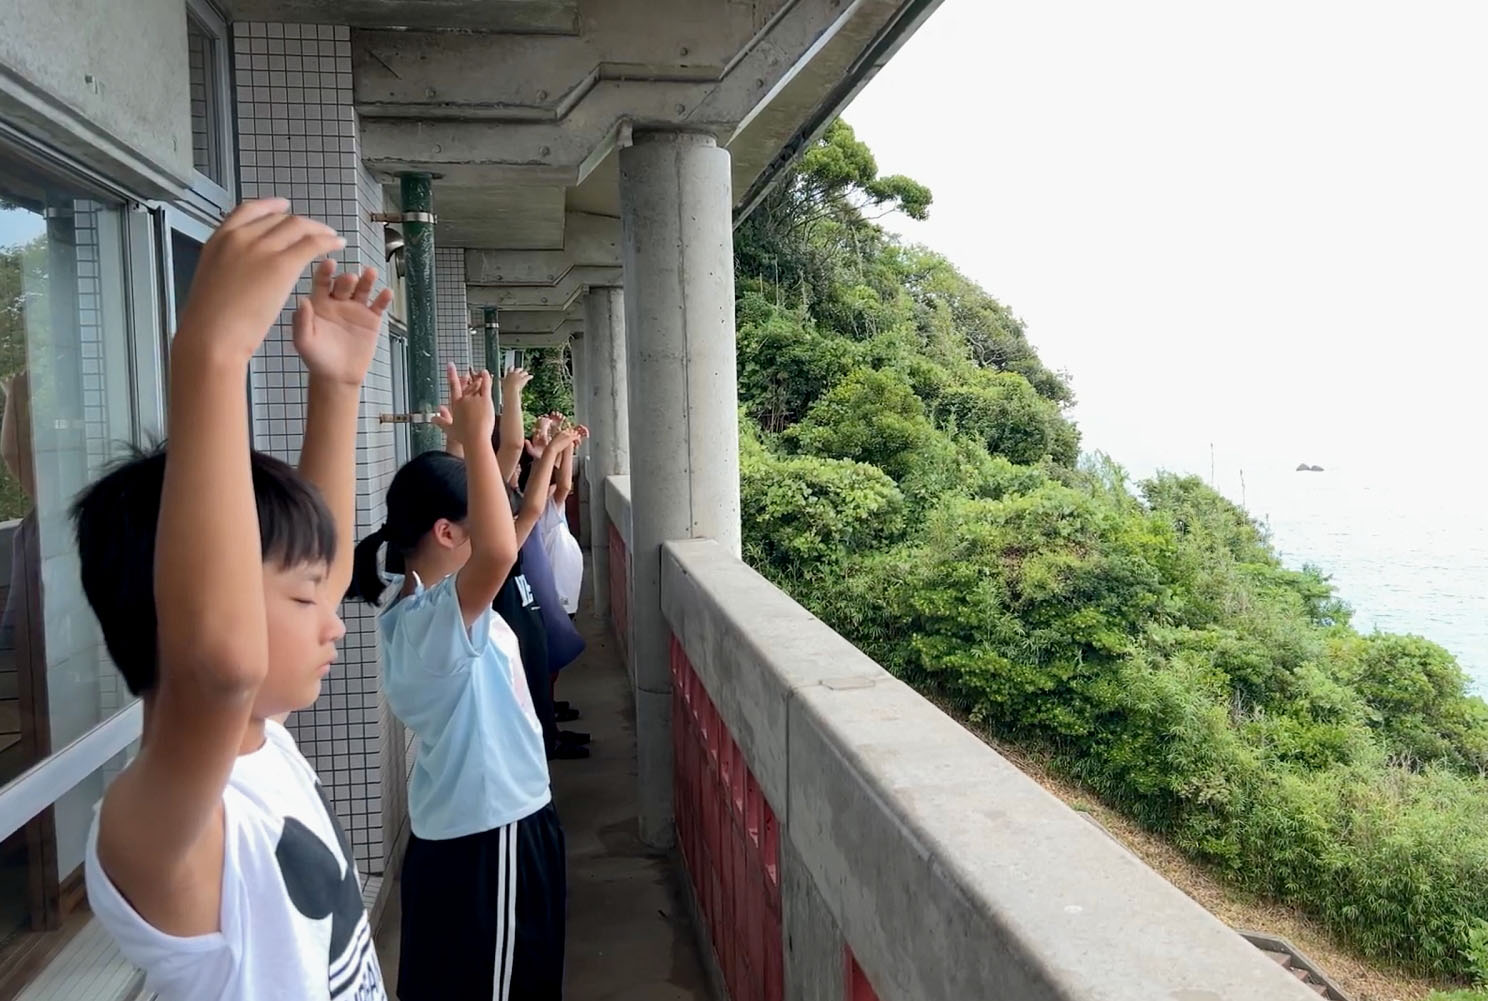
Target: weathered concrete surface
<point x="678" y="251"/>
<point x="607" y="406"/>
<point x="628" y="936"/>
<point x="617" y="505"/>
<point x="548" y="16"/>
<point x="950" y="873"/>
<point x="115" y="93"/>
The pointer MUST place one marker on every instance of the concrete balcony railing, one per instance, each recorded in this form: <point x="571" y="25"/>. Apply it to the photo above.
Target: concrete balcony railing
<point x="845" y="838"/>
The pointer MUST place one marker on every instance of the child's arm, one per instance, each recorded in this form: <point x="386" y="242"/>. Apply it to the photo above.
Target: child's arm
<point x="564" y="486"/>
<point x="335" y="333"/>
<point x="536" y="497"/>
<point x="493" y="544"/>
<point x="161" y="828"/>
<point x="444" y="420"/>
<point x="513" y="434"/>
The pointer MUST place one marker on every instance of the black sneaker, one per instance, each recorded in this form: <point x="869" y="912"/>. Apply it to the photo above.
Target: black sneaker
<point x="566" y="715"/>
<point x="568" y="752"/>
<point x="572" y="738"/>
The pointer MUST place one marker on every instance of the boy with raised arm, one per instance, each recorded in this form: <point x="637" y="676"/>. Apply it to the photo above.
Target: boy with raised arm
<point x="215" y="572"/>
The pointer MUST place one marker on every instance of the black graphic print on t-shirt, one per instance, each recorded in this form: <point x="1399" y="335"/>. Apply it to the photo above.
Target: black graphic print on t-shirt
<point x="318" y="889"/>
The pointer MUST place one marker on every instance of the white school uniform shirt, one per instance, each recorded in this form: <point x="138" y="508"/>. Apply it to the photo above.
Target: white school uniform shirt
<point x="564" y="554"/>
<point x="293" y="921"/>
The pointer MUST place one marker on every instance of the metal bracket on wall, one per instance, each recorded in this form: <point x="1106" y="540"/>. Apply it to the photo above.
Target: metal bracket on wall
<point x="428" y="217"/>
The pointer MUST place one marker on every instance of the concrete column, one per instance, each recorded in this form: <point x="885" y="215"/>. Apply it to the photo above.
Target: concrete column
<point x="578" y="364"/>
<point x="677" y="230"/>
<point x="608" y="411"/>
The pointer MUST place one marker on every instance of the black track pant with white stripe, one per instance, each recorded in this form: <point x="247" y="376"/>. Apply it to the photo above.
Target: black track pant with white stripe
<point x="484" y="915"/>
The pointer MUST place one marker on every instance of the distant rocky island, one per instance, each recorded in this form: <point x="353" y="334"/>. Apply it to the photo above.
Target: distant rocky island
<point x="1305" y="468"/>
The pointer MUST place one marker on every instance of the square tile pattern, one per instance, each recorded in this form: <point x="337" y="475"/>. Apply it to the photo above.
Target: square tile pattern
<point x="451" y="316"/>
<point x="297" y="138"/>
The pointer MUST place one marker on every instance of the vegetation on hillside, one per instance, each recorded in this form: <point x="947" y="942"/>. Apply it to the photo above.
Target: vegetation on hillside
<point x="910" y="474"/>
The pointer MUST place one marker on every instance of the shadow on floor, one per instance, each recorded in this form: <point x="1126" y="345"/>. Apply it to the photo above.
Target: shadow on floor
<point x="629" y="938"/>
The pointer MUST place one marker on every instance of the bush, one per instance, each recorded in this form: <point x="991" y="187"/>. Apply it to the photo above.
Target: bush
<point x="801" y="514"/>
<point x="1255" y="740"/>
<point x="1003" y="412"/>
<point x="872" y="417"/>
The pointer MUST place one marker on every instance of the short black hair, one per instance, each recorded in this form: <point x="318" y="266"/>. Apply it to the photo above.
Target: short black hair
<point x="115" y="519"/>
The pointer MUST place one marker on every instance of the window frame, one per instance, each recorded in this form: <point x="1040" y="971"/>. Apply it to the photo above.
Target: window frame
<point x="218" y="193"/>
<point x="398" y="373"/>
<point x="31" y="793"/>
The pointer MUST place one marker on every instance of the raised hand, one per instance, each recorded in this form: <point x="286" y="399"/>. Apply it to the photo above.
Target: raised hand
<point x="470" y="417"/>
<point x="336" y="328"/>
<point x="563" y="440"/>
<point x="542" y="431"/>
<point x="246" y="272"/>
<point x="513" y="382"/>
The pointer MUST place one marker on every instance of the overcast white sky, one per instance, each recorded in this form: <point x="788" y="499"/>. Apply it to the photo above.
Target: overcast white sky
<point x="1262" y="225"/>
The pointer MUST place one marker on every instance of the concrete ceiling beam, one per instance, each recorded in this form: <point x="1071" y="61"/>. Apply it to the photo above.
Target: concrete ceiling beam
<point x="589" y="241"/>
<point x="534" y="321"/>
<point x="558" y="295"/>
<point x="563" y="143"/>
<point x="556" y="339"/>
<point x="537" y="16"/>
<point x="438" y="74"/>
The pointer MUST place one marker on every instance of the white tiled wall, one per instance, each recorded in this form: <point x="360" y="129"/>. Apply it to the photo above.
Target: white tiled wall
<point x="451" y="317"/>
<point x="297" y="138"/>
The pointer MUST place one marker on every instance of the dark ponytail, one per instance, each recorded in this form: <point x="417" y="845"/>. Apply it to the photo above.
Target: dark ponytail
<point x="429" y="487"/>
<point x="367" y="583"/>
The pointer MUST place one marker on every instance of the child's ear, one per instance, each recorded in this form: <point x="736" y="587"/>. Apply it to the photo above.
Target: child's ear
<point x="447" y="533"/>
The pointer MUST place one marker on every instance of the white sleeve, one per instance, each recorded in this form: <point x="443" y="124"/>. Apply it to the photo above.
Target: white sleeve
<point x="198" y="966"/>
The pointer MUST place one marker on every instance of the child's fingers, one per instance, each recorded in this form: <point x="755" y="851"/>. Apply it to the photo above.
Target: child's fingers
<point x="443" y="418"/>
<point x="452" y="376"/>
<point x="254" y="209"/>
<point x="383" y="301"/>
<point x="365" y="284"/>
<point x="315" y="244"/>
<point x="276" y="232"/>
<point x="323" y="274"/>
<point x="346" y="283"/>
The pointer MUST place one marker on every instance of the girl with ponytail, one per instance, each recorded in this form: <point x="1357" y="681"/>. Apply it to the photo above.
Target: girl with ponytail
<point x="485" y="862"/>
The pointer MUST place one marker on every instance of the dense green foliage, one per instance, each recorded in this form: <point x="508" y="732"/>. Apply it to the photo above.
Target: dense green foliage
<point x="551" y="388"/>
<point x="909" y="473"/>
<point x="22" y="277"/>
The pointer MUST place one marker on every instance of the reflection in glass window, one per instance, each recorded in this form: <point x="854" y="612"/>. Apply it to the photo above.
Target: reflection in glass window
<point x="206" y="110"/>
<point x="66" y="374"/>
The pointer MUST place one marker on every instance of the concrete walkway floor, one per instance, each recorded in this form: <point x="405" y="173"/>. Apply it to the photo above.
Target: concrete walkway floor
<point x="629" y="938"/>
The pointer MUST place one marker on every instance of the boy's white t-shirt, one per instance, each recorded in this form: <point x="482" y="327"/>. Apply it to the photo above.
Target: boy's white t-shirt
<point x="293" y="922"/>
<point x="564" y="553"/>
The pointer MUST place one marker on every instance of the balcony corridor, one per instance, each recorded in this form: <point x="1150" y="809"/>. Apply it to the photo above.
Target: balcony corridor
<point x="629" y="937"/>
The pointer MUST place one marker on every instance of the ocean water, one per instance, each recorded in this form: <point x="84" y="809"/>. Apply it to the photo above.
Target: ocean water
<point x="1407" y="548"/>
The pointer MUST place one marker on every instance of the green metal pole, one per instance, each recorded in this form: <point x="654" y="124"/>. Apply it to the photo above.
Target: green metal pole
<point x="493" y="342"/>
<point x="492" y="339"/>
<point x="423" y="358"/>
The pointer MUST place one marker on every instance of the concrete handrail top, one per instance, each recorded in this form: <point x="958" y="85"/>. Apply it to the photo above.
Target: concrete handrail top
<point x="950" y="872"/>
